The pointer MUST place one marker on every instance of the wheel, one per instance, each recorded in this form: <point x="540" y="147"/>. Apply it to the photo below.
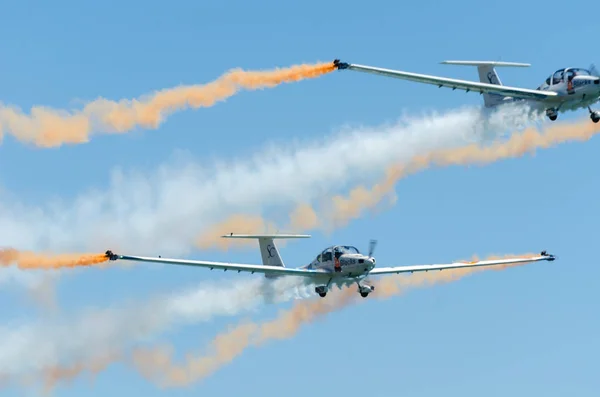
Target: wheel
<point x="364" y="294"/>
<point x="322" y="291"/>
<point x="595" y="117"/>
<point x="552" y="114"/>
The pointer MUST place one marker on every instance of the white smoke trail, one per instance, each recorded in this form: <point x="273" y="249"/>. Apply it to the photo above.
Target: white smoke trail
<point x="163" y="212"/>
<point x="166" y="210"/>
<point x="29" y="348"/>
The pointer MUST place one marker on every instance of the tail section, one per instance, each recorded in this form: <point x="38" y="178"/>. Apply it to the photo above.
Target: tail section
<point x="488" y="75"/>
<point x="268" y="250"/>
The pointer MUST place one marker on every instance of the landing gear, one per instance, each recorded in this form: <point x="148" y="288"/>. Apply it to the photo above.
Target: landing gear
<point x="552" y="114"/>
<point x="365" y="290"/>
<point x="594" y="115"/>
<point x="321" y="290"/>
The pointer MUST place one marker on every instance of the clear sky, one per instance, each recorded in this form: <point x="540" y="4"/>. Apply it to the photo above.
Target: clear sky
<point x="523" y="331"/>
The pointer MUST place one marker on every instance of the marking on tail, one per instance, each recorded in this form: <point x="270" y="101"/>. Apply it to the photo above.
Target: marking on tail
<point x="266" y="242"/>
<point x="269" y="252"/>
<point x="270" y="249"/>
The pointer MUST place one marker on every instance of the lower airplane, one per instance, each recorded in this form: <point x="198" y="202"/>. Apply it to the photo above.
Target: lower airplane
<point x="334" y="265"/>
<point x="566" y="89"/>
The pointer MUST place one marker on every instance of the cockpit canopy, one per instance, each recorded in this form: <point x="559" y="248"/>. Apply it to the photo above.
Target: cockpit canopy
<point x="337" y="250"/>
<point x="568" y="73"/>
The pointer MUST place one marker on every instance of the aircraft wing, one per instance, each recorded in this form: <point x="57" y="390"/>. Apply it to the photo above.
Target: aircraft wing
<point x="515" y="92"/>
<point x="239" y="267"/>
<point x="456" y="265"/>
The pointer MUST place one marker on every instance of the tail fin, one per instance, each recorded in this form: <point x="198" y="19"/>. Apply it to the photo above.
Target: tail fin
<point x="488" y="75"/>
<point x="268" y="249"/>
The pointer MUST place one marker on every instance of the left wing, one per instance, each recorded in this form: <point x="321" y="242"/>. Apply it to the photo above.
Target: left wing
<point x="239" y="267"/>
<point x="456" y="265"/>
<point x="515" y="92"/>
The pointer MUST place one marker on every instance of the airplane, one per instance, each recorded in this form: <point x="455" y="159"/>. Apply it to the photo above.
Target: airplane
<point x="334" y="265"/>
<point x="566" y="89"/>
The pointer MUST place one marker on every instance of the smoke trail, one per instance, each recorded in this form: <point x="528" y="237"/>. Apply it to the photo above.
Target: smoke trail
<point x="30" y="260"/>
<point x="41" y="289"/>
<point x="40" y="286"/>
<point x="62" y="348"/>
<point x="160" y="212"/>
<point x="517" y="145"/>
<point x="339" y="209"/>
<point x="51" y="128"/>
<point x="157" y="364"/>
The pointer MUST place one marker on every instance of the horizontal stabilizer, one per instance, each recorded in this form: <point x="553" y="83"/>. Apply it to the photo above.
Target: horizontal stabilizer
<point x="487" y="63"/>
<point x="273" y="236"/>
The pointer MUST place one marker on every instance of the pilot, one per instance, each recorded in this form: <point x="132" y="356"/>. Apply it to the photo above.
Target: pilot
<point x="336" y="260"/>
<point x="570" y="83"/>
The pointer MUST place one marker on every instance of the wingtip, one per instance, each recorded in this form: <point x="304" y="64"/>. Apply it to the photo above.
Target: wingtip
<point x="548" y="256"/>
<point x="340" y="65"/>
<point x="111" y="256"/>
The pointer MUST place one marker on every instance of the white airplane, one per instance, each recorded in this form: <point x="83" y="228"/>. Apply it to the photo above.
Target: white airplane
<point x="339" y="264"/>
<point x="566" y="89"/>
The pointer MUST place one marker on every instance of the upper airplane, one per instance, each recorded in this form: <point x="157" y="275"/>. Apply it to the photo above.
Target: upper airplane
<point x="566" y="89"/>
<point x="334" y="265"/>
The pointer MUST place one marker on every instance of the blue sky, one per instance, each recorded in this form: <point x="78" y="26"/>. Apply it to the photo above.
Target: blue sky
<point x="521" y="331"/>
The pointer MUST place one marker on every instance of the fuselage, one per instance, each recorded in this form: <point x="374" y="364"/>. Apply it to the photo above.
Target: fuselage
<point x="350" y="265"/>
<point x="575" y="91"/>
<point x="576" y="88"/>
<point x="342" y="261"/>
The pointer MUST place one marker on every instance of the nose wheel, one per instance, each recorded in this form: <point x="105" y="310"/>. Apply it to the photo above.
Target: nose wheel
<point x="365" y="290"/>
<point x="594" y="115"/>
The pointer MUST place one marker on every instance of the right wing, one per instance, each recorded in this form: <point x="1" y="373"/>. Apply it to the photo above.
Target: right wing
<point x="239" y="267"/>
<point x="456" y="265"/>
<point x="515" y="92"/>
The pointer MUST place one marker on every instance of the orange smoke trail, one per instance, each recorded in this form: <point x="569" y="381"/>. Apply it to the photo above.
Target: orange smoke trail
<point x="157" y="364"/>
<point x="341" y="209"/>
<point x="30" y="260"/>
<point x="517" y="145"/>
<point x="53" y="376"/>
<point x="46" y="127"/>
